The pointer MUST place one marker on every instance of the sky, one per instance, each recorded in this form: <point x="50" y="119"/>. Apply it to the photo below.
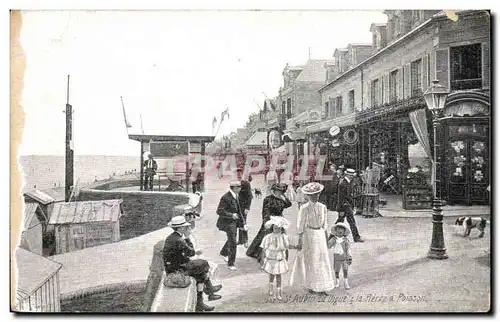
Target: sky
<point x="178" y="69"/>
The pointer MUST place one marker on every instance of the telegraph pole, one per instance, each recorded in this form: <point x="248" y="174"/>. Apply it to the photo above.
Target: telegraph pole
<point x="69" y="149"/>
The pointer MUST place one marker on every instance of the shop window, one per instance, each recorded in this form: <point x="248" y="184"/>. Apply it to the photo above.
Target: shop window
<point x="351" y="101"/>
<point x="375" y="93"/>
<point x="465" y="64"/>
<point x="289" y="108"/>
<point x="393" y="86"/>
<point x="416" y="78"/>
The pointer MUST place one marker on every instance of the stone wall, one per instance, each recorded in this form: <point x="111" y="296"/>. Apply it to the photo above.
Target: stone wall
<point x="143" y="211"/>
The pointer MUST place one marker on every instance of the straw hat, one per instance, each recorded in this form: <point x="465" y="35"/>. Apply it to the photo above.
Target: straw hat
<point x="278" y="221"/>
<point x="341" y="224"/>
<point x="350" y="172"/>
<point x="235" y="184"/>
<point x="178" y="221"/>
<point x="312" y="188"/>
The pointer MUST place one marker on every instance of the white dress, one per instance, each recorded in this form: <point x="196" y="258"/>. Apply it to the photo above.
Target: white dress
<point x="287" y="178"/>
<point x="274" y="247"/>
<point x="312" y="267"/>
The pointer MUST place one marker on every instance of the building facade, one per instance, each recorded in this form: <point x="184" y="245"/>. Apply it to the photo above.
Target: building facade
<point x="372" y="101"/>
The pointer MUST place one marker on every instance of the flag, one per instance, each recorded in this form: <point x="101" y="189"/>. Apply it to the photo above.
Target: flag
<point x="214" y="122"/>
<point x="223" y="114"/>
<point x="127" y="123"/>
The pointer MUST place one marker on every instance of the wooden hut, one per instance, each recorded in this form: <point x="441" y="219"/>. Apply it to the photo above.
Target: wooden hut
<point x="33" y="228"/>
<point x="37" y="283"/>
<point x="84" y="224"/>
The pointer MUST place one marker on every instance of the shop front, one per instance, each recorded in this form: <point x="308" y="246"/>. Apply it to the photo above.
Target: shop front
<point x="466" y="169"/>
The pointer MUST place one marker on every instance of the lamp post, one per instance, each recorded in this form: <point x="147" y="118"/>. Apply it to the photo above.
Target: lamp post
<point x="435" y="98"/>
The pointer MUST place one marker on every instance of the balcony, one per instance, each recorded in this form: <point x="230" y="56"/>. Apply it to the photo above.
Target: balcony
<point x="463" y="84"/>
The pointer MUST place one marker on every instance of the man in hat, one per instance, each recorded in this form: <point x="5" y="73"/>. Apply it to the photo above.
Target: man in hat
<point x="230" y="219"/>
<point x="176" y="257"/>
<point x="345" y="204"/>
<point x="150" y="167"/>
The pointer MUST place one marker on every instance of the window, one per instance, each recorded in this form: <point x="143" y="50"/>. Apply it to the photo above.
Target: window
<point x="375" y="93"/>
<point x="327" y="107"/>
<point x="351" y="101"/>
<point x="416" y="78"/>
<point x="283" y="107"/>
<point x="339" y="105"/>
<point x="289" y="108"/>
<point x="393" y="86"/>
<point x="465" y="63"/>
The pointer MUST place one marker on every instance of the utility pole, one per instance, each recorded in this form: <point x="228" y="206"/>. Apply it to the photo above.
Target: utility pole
<point x="69" y="149"/>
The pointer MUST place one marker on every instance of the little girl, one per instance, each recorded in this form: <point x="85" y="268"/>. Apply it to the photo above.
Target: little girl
<point x="274" y="246"/>
<point x="341" y="252"/>
<point x="300" y="196"/>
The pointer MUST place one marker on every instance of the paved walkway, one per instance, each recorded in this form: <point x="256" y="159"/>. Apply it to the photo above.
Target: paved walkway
<point x="390" y="261"/>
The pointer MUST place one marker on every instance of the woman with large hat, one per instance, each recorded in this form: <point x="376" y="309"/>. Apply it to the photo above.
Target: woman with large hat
<point x="312" y="267"/>
<point x="273" y="205"/>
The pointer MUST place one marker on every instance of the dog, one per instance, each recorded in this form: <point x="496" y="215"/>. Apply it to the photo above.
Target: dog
<point x="472" y="222"/>
<point x="258" y="193"/>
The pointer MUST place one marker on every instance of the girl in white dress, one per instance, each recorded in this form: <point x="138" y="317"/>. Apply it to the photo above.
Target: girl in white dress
<point x="274" y="246"/>
<point x="312" y="267"/>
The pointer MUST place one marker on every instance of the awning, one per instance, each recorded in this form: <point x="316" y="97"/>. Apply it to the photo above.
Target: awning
<point x="294" y="136"/>
<point x="341" y="121"/>
<point x="257" y="139"/>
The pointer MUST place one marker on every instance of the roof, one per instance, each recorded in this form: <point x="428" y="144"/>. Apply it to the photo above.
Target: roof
<point x="32" y="271"/>
<point x="294" y="67"/>
<point x="314" y="71"/>
<point x="258" y="138"/>
<point x="57" y="194"/>
<point x="359" y="45"/>
<point x="29" y="212"/>
<point x="381" y="24"/>
<point x="147" y="138"/>
<point x="85" y="211"/>
<point x="39" y="196"/>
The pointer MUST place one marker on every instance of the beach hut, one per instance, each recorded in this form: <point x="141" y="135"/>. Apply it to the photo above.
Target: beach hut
<point x="37" y="283"/>
<point x="33" y="228"/>
<point x="84" y="224"/>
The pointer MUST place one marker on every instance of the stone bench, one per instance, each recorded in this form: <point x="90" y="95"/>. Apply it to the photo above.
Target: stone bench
<point x="160" y="298"/>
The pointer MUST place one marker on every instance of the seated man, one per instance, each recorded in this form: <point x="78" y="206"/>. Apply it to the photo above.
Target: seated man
<point x="176" y="257"/>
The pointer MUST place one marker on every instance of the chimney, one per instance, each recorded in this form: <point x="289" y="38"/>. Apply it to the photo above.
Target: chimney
<point x="330" y="71"/>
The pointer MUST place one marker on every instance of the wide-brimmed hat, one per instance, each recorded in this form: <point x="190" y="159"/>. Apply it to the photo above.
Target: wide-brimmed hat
<point x="278" y="221"/>
<point x="279" y="187"/>
<point x="312" y="188"/>
<point x="341" y="224"/>
<point x="178" y="221"/>
<point x="350" y="171"/>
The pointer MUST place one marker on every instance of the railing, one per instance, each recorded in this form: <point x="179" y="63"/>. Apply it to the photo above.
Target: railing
<point x="461" y="84"/>
<point x="44" y="299"/>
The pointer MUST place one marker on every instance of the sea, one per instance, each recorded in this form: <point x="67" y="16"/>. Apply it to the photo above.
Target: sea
<point x="47" y="171"/>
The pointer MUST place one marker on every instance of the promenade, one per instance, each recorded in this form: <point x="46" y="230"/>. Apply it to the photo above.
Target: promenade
<point x="392" y="261"/>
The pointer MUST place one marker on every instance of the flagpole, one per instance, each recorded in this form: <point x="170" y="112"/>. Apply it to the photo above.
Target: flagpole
<point x="124" y="115"/>
<point x="142" y="128"/>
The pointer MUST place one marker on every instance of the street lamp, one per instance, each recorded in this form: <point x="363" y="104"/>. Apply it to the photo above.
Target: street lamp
<point x="435" y="98"/>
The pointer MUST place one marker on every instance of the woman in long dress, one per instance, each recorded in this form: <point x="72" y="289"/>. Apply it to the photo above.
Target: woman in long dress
<point x="287" y="179"/>
<point x="273" y="205"/>
<point x="312" y="267"/>
<point x="271" y="179"/>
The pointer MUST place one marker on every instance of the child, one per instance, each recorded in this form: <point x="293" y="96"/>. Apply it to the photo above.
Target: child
<point x="274" y="247"/>
<point x="341" y="252"/>
<point x="300" y="196"/>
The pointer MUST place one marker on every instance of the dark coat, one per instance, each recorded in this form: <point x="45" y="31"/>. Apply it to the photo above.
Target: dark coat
<point x="227" y="207"/>
<point x="150" y="171"/>
<point x="345" y="201"/>
<point x="245" y="196"/>
<point x="176" y="252"/>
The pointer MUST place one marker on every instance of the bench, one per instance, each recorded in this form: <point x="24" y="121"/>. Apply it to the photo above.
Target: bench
<point x="160" y="298"/>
